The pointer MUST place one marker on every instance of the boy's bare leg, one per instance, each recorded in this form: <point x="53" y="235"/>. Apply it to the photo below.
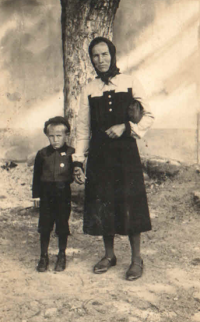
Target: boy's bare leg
<point x="136" y="268"/>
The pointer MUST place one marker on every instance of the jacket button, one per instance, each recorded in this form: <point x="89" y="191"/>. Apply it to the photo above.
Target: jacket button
<point x="110" y="109"/>
<point x="62" y="165"/>
<point x="110" y="103"/>
<point x="109" y="96"/>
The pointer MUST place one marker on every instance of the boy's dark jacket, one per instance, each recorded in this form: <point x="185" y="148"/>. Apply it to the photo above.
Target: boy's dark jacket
<point x="52" y="166"/>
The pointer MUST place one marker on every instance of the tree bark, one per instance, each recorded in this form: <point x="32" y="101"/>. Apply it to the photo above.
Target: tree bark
<point x="82" y="20"/>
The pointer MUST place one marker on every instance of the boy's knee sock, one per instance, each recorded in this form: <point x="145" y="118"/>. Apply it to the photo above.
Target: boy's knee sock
<point x="62" y="242"/>
<point x="44" y="243"/>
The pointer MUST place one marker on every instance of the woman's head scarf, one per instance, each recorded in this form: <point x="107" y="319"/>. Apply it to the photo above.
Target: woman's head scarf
<point x="113" y="70"/>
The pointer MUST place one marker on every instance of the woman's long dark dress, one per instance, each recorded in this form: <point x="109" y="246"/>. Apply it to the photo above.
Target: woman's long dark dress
<point x="115" y="196"/>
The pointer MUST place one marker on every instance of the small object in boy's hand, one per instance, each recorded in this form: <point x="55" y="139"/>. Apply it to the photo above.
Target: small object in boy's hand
<point x="36" y="203"/>
<point x="79" y="175"/>
<point x="135" y="111"/>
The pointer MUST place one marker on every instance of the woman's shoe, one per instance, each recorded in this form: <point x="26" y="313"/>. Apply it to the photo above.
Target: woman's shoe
<point x="135" y="271"/>
<point x="104" y="264"/>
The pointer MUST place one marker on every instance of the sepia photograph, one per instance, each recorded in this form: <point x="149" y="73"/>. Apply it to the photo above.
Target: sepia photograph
<point x="100" y="161"/>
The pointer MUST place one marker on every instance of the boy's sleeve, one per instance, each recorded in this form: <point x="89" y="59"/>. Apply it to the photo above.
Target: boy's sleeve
<point x="37" y="176"/>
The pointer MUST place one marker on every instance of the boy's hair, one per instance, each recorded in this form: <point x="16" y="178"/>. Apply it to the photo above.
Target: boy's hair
<point x="57" y="120"/>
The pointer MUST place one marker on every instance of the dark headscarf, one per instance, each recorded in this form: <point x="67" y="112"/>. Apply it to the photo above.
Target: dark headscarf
<point x="113" y="70"/>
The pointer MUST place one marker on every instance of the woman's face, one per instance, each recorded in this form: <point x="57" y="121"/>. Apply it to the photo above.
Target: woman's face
<point x="101" y="57"/>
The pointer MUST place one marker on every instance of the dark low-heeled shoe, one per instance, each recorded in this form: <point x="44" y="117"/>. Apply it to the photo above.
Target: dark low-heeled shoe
<point x="135" y="271"/>
<point x="43" y="264"/>
<point x="61" y="262"/>
<point x="104" y="264"/>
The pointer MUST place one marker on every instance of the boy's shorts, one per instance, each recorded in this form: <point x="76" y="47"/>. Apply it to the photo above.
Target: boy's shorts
<point x="55" y="207"/>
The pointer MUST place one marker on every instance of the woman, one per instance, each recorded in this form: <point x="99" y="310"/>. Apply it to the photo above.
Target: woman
<point x="115" y="197"/>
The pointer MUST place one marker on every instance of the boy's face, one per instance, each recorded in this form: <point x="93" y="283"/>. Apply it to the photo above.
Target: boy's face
<point x="56" y="135"/>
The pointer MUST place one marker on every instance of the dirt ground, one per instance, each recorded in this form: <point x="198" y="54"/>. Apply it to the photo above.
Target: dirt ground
<point x="169" y="289"/>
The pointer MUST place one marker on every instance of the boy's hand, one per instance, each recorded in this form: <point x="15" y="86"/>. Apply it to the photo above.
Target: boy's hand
<point x="79" y="176"/>
<point x="36" y="202"/>
<point x="116" y="131"/>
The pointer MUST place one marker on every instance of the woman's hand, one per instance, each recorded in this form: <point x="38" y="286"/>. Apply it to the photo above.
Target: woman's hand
<point x="79" y="176"/>
<point x="116" y="131"/>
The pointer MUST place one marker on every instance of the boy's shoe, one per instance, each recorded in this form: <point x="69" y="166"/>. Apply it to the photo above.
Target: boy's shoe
<point x="61" y="262"/>
<point x="43" y="264"/>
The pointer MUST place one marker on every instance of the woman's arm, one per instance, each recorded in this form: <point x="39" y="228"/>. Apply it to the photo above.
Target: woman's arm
<point x="82" y="130"/>
<point x="138" y="130"/>
<point x="135" y="130"/>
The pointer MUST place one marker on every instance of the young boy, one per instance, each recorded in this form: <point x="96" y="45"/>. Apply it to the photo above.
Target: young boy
<point x="52" y="176"/>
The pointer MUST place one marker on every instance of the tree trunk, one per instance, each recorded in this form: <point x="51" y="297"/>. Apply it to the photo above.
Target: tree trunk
<point x="82" y="20"/>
